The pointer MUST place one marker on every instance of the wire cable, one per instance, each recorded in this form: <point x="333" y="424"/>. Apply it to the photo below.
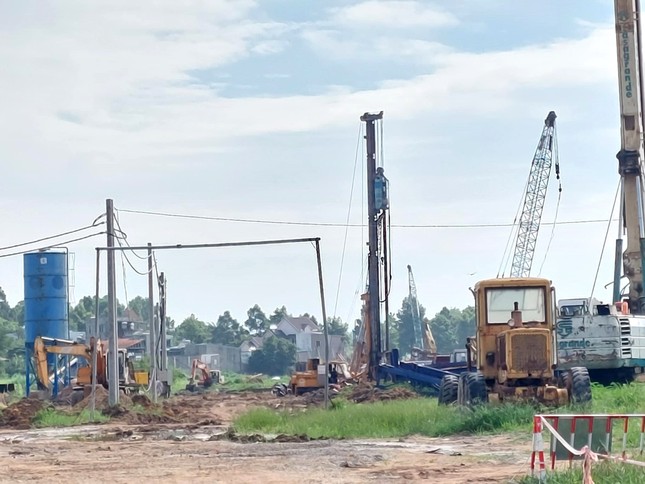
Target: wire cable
<point x="125" y="236"/>
<point x="96" y="223"/>
<point x="349" y="213"/>
<point x="557" y="207"/>
<point x="128" y="260"/>
<point x="50" y="246"/>
<point x="595" y="279"/>
<point x="332" y="224"/>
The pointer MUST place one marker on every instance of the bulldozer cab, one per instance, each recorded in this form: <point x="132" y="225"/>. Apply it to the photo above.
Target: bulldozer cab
<point x="515" y="321"/>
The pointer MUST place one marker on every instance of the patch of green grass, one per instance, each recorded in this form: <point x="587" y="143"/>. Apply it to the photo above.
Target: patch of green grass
<point x="420" y="416"/>
<point x="50" y="417"/>
<point x="424" y="416"/>
<point x="603" y="472"/>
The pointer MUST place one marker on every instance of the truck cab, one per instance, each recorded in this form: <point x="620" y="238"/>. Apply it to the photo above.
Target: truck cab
<point x="512" y="356"/>
<point x="605" y="336"/>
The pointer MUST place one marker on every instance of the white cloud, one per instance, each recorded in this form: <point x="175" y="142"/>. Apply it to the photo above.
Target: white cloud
<point x="393" y="14"/>
<point x="334" y="44"/>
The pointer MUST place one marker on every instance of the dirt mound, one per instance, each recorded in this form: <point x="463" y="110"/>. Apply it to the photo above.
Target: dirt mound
<point x="20" y="414"/>
<point x="368" y="393"/>
<point x="102" y="401"/>
<point x="141" y="399"/>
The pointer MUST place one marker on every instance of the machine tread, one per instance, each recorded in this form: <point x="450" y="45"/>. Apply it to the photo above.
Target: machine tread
<point x="580" y="385"/>
<point x="476" y="391"/>
<point x="448" y="390"/>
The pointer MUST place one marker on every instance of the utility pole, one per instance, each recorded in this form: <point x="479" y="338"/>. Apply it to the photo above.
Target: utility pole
<point x="373" y="256"/>
<point x="162" y="330"/>
<point x="324" y="315"/>
<point x="113" y="352"/>
<point x="153" y="339"/>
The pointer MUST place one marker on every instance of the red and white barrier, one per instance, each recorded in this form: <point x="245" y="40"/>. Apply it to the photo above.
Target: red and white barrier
<point x="588" y="454"/>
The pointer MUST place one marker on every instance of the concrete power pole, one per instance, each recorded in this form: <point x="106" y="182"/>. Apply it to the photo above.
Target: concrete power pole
<point x="373" y="256"/>
<point x="152" y="350"/>
<point x="113" y="352"/>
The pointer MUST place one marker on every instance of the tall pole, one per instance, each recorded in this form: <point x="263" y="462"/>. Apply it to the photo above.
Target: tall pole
<point x="113" y="352"/>
<point x="153" y="339"/>
<point x="373" y="256"/>
<point x="162" y="329"/>
<point x="324" y="315"/>
<point x="96" y="337"/>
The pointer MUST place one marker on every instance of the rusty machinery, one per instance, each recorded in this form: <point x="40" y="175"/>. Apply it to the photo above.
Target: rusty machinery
<point x="513" y="354"/>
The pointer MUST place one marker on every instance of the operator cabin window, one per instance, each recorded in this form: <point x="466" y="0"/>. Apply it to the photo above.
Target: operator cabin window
<point x="500" y="302"/>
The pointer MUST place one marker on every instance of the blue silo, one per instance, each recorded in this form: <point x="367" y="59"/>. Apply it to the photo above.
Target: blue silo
<point x="46" y="299"/>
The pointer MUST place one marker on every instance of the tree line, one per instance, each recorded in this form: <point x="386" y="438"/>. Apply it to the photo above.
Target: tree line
<point x="450" y="327"/>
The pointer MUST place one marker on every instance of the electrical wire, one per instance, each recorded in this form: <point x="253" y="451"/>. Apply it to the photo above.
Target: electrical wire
<point x="128" y="260"/>
<point x="595" y="279"/>
<point x="332" y="224"/>
<point x="349" y="212"/>
<point x="557" y="209"/>
<point x="62" y="234"/>
<point x="50" y="246"/>
<point x="125" y="236"/>
<point x="506" y="256"/>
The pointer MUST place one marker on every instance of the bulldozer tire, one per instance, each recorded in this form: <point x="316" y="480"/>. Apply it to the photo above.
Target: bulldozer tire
<point x="580" y="385"/>
<point x="448" y="390"/>
<point x="475" y="391"/>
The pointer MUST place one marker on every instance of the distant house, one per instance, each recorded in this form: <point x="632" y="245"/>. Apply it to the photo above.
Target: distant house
<point x="256" y="343"/>
<point x="309" y="338"/>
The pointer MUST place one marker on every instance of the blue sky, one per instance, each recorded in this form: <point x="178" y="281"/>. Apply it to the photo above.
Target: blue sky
<point x="250" y="109"/>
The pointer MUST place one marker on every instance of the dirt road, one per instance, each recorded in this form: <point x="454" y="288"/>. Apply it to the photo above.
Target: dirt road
<point x="170" y="453"/>
<point x="186" y="440"/>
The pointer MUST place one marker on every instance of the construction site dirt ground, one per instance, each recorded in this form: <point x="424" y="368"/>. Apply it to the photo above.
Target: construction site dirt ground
<point x="188" y="442"/>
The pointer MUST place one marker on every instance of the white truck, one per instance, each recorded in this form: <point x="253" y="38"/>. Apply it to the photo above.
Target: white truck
<point x="608" y="340"/>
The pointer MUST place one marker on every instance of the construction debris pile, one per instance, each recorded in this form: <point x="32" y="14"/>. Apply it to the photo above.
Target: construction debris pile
<point x="365" y="392"/>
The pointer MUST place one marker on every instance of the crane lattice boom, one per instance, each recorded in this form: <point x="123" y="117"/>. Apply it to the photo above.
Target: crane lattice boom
<point x="533" y="206"/>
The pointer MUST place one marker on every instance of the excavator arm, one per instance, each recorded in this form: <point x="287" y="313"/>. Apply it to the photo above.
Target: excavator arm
<point x="59" y="347"/>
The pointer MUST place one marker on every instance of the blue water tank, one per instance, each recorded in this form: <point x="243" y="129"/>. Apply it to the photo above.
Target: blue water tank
<point x="46" y="301"/>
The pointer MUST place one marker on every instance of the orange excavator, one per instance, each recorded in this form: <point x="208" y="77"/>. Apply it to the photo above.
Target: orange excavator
<point x="205" y="378"/>
<point x="128" y="378"/>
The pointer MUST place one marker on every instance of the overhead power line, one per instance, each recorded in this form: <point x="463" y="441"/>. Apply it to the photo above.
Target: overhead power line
<point x="343" y="225"/>
<point x="57" y="244"/>
<point x="96" y="223"/>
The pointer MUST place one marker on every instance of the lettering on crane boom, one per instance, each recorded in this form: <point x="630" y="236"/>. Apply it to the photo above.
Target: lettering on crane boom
<point x="627" y="71"/>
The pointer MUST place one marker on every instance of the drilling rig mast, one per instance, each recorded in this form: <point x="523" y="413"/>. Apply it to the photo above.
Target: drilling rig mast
<point x="545" y="156"/>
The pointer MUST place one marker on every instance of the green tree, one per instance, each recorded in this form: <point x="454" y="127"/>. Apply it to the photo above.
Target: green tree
<point x="256" y="322"/>
<point x="193" y="329"/>
<point x="227" y="331"/>
<point x="393" y="325"/>
<point x="406" y="326"/>
<point x="443" y="329"/>
<point x="5" y="308"/>
<point x="12" y="344"/>
<point x="140" y="306"/>
<point x="276" y="357"/>
<point x="277" y="315"/>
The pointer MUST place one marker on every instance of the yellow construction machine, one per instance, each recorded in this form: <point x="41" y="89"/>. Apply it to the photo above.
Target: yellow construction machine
<point x="128" y="378"/>
<point x="313" y="377"/>
<point x="513" y="356"/>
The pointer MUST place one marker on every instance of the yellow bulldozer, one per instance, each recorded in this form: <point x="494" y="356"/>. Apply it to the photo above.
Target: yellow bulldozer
<point x="512" y="356"/>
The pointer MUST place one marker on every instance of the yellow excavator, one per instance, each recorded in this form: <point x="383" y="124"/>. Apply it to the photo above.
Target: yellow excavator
<point x="128" y="377"/>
